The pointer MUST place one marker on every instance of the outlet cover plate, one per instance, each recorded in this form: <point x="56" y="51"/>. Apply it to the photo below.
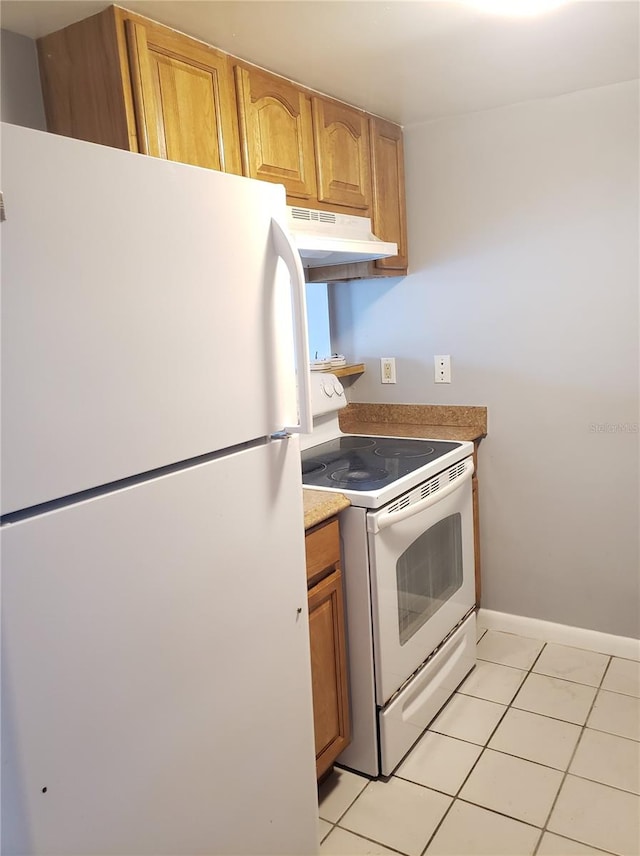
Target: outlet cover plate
<point x="387" y="370"/>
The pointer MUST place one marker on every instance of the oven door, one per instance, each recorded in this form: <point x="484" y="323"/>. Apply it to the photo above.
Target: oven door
<point x="422" y="573"/>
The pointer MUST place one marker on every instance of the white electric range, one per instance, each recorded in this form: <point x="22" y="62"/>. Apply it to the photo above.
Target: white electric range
<point x="408" y="565"/>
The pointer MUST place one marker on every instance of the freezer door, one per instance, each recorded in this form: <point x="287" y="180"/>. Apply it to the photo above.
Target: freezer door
<point x="156" y="688"/>
<point x="146" y="315"/>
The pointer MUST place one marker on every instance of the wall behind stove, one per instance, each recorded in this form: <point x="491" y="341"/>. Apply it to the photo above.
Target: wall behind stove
<point x="523" y="232"/>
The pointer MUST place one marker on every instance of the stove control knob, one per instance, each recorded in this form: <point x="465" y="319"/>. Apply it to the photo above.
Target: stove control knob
<point x="338" y="387"/>
<point x="327" y="388"/>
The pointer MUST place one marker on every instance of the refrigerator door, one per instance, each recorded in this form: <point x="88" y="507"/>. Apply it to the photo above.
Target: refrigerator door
<point x="156" y="689"/>
<point x="144" y="316"/>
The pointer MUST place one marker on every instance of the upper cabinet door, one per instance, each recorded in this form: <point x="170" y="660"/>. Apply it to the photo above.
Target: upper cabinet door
<point x="341" y="137"/>
<point x="389" y="209"/>
<point x="184" y="98"/>
<point x="275" y="131"/>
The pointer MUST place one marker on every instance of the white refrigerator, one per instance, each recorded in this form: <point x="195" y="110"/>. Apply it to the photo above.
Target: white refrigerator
<point x="156" y="689"/>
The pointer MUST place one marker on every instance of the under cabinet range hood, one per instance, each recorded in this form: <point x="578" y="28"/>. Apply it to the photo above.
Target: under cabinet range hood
<point x="324" y="238"/>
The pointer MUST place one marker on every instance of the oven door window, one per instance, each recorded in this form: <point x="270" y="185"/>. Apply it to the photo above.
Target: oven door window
<point x="427" y="574"/>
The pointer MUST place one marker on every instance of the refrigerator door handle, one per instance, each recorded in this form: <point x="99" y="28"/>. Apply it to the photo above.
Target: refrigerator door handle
<point x="289" y="254"/>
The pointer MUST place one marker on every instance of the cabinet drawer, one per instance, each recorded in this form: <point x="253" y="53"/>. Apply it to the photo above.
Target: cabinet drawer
<point x="322" y="547"/>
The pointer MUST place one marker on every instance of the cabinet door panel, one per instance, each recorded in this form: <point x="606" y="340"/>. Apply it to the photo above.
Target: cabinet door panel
<point x="341" y="138"/>
<point x="150" y="132"/>
<point x="389" y="209"/>
<point x="184" y="100"/>
<point x="275" y="132"/>
<point x="187" y="96"/>
<point x="328" y="670"/>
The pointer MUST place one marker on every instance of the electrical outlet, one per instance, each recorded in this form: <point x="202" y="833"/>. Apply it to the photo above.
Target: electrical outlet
<point x="387" y="369"/>
<point x="442" y="368"/>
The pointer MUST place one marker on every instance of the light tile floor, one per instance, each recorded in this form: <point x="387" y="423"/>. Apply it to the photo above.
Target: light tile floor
<point x="538" y="752"/>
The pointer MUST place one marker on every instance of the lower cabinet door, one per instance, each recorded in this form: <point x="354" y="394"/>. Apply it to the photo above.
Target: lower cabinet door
<point x="329" y="670"/>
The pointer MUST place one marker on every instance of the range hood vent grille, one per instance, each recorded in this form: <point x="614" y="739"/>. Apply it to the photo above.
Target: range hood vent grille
<point x="309" y="215"/>
<point x="324" y="238"/>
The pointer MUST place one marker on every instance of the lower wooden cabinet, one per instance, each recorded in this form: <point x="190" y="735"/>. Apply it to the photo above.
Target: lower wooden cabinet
<point x="328" y="645"/>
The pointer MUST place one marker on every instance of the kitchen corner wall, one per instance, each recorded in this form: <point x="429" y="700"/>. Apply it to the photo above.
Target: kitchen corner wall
<point x="20" y="94"/>
<point x="523" y="245"/>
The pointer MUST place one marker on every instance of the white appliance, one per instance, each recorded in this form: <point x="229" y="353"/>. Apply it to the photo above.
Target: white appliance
<point x="408" y="559"/>
<point x="324" y="238"/>
<point x="156" y="689"/>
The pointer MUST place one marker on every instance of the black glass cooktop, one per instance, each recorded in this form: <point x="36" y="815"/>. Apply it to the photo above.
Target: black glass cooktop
<point x="368" y="463"/>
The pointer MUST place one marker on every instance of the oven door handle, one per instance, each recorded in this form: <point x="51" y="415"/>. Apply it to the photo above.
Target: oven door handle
<point x="381" y="521"/>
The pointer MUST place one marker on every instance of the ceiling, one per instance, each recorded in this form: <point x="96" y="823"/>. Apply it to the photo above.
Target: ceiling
<point x="406" y="60"/>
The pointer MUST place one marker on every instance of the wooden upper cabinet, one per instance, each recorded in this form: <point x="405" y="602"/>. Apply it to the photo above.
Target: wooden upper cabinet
<point x="275" y="131"/>
<point x="341" y="143"/>
<point x="85" y="84"/>
<point x="184" y="98"/>
<point x="388" y="217"/>
<point x="121" y="80"/>
<point x="388" y="209"/>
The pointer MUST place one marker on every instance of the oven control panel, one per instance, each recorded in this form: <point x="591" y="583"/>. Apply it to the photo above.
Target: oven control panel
<point x="327" y="393"/>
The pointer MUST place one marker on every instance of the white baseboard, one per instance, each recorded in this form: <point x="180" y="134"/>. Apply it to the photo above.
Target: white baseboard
<point x="548" y="631"/>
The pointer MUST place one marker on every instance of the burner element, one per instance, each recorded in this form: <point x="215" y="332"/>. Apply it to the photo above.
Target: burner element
<point x="313" y="467"/>
<point x="358" y="477"/>
<point x="348" y="443"/>
<point x="405" y="449"/>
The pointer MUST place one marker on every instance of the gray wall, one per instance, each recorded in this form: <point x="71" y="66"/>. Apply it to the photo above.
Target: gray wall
<point x="20" y="95"/>
<point x="523" y="230"/>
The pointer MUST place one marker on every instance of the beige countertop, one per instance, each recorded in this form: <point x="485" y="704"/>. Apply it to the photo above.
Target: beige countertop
<point x="438" y="422"/>
<point x="319" y="505"/>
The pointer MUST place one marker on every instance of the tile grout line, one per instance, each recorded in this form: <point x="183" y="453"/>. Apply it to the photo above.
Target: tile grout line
<point x="334" y="823"/>
<point x="565" y="773"/>
<point x="476" y="762"/>
<point x="370" y="840"/>
<point x="573" y="754"/>
<point x="583" y="728"/>
<point x="359" y="794"/>
<point x="485" y="746"/>
<point x="546" y="715"/>
<point x="453" y="799"/>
